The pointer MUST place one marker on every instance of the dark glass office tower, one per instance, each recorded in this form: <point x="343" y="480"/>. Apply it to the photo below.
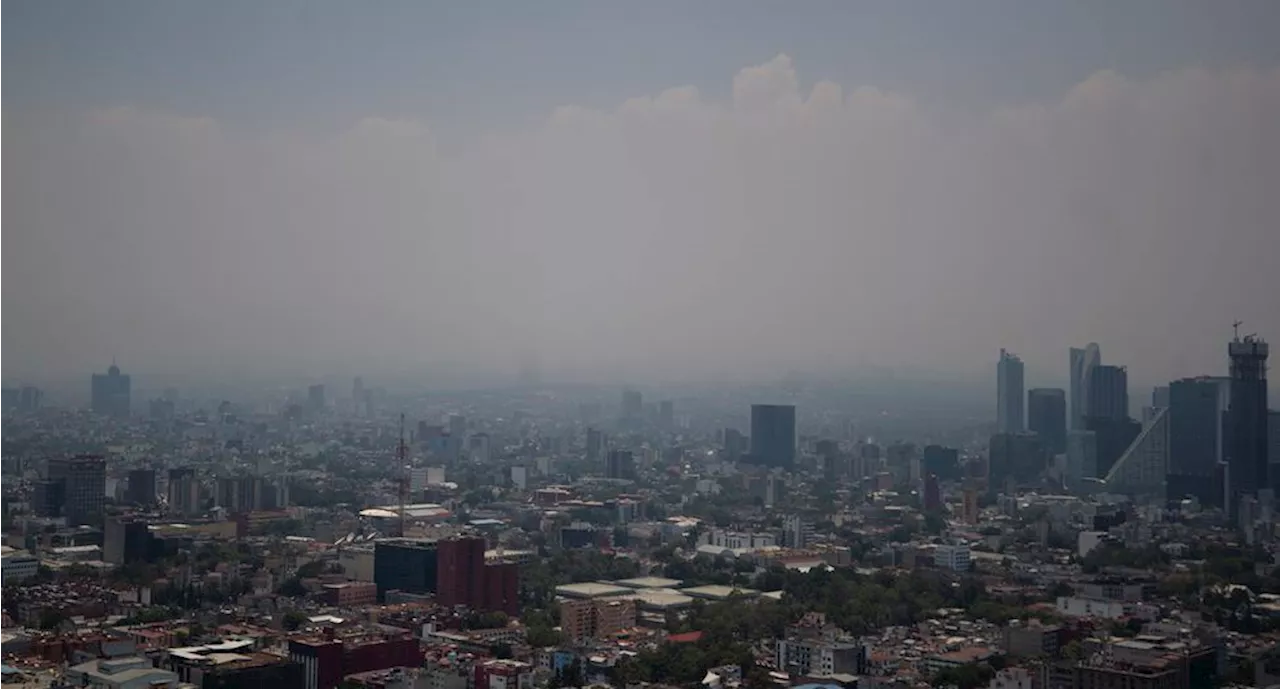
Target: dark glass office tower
<point x="1047" y="417"/>
<point x="1247" y="419"/>
<point x="1108" y="392"/>
<point x="773" y="434"/>
<point x="1194" y="421"/>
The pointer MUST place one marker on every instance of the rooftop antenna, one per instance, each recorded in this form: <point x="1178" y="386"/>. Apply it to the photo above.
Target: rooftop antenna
<point x="1235" y="328"/>
<point x="402" y="453"/>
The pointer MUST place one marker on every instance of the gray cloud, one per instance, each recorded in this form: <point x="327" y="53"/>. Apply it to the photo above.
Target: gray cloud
<point x="792" y="227"/>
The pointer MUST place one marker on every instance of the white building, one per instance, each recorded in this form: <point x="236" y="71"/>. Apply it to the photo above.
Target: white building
<point x="18" y="565"/>
<point x="1012" y="678"/>
<point x="121" y="673"/>
<point x="796" y="532"/>
<point x="739" y="540"/>
<point x="954" y="557"/>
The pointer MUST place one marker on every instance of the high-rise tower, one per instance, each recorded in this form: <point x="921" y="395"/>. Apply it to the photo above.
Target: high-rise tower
<point x="1082" y="363"/>
<point x="1247" y="419"/>
<point x="1047" y="416"/>
<point x="773" y="434"/>
<point x="1010" y="407"/>
<point x="1194" y="422"/>
<point x="1108" y="395"/>
<point x="111" y="393"/>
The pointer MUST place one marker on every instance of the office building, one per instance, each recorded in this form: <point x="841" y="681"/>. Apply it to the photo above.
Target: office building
<point x="816" y="653"/>
<point x="797" y="532"/>
<point x="1009" y="394"/>
<point x="184" y="492"/>
<point x="84" y="487"/>
<point x="953" y="557"/>
<point x="1247" y="419"/>
<point x="1082" y="457"/>
<point x="620" y="464"/>
<point x="110" y="393"/>
<point x="1195" y="419"/>
<point x="590" y="619"/>
<point x="1161" y="396"/>
<point x="1112" y="437"/>
<point x="943" y="462"/>
<point x="773" y="435"/>
<point x="315" y="399"/>
<point x="1017" y="456"/>
<point x="17" y="566"/>
<point x="1047" y="417"/>
<point x="405" y="564"/>
<point x="931" y="494"/>
<point x="161" y="410"/>
<point x="125" y="540"/>
<point x="1083" y="361"/>
<point x="735" y="444"/>
<point x="1143" y="466"/>
<point x="48" y="497"/>
<point x="595" y="445"/>
<point x="1032" y="639"/>
<point x="1273" y="444"/>
<point x="326" y="660"/>
<point x="464" y="578"/>
<point x="667" y="414"/>
<point x="632" y="405"/>
<point x="1108" y="393"/>
<point x="141" y="488"/>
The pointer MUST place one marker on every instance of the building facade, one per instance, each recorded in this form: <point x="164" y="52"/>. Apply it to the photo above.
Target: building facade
<point x="1047" y="417"/>
<point x="1010" y="405"/>
<point x="111" y="393"/>
<point x="1247" y="420"/>
<point x="773" y="434"/>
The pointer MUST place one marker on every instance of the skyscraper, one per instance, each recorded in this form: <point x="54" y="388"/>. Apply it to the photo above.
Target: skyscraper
<point x="773" y="434"/>
<point x="667" y="414"/>
<point x="1082" y="457"/>
<point x="141" y="489"/>
<point x="1047" y="416"/>
<point x="315" y="399"/>
<point x="632" y="405"/>
<point x="84" y="487"/>
<point x="620" y="464"/>
<point x="1108" y="395"/>
<point x="110" y="393"/>
<point x="1082" y="363"/>
<point x="1247" y="419"/>
<point x="184" y="491"/>
<point x="1194" y="422"/>
<point x="1009" y="394"/>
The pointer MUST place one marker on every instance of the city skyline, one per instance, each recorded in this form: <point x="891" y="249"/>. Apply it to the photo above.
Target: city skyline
<point x="256" y="216"/>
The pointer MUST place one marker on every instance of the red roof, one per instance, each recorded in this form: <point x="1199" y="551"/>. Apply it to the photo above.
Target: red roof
<point x="686" y="638"/>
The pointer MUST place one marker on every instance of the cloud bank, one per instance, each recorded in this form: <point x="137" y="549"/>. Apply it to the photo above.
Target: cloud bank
<point x="793" y="227"/>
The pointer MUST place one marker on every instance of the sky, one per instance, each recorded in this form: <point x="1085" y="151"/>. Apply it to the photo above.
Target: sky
<point x="610" y="190"/>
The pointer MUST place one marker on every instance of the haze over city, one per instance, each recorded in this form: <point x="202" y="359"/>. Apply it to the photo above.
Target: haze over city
<point x="652" y="191"/>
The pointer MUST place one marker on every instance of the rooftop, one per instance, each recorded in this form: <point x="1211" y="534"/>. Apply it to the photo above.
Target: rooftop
<point x="592" y="589"/>
<point x="649" y="583"/>
<point x="716" y="592"/>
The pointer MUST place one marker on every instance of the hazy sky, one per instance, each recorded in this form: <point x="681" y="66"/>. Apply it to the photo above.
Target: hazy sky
<point x="649" y="188"/>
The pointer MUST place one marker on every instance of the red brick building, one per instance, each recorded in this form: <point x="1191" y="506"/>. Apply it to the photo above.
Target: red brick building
<point x="351" y="593"/>
<point x="463" y="578"/>
<point x="326" y="660"/>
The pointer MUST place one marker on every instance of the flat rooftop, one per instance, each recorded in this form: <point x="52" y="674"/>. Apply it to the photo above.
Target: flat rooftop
<point x="714" y="592"/>
<point x="592" y="589"/>
<point x="649" y="583"/>
<point x="658" y="599"/>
